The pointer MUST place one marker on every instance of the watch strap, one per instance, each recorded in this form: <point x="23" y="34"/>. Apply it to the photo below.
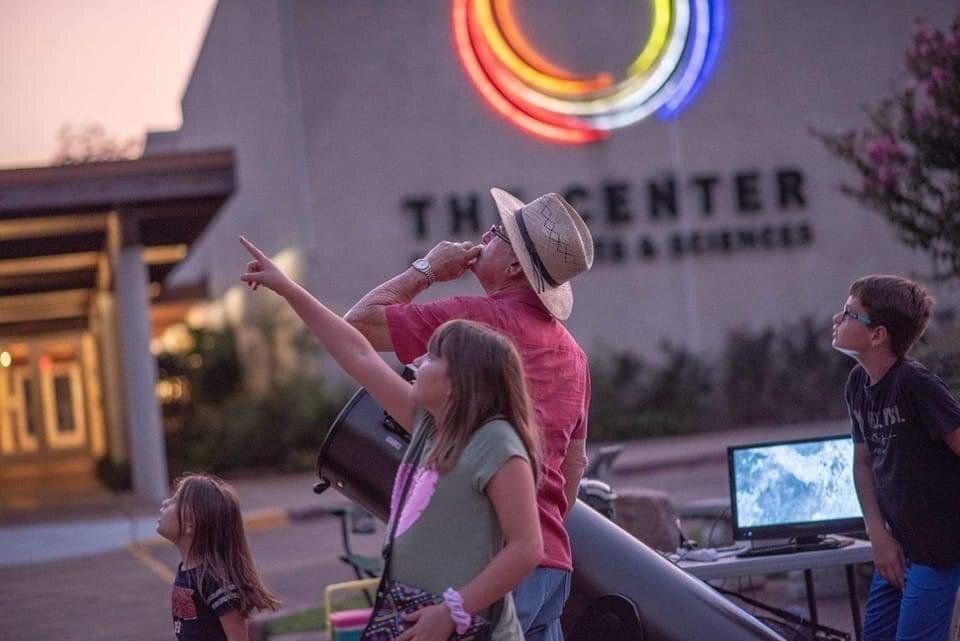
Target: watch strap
<point x="422" y="266"/>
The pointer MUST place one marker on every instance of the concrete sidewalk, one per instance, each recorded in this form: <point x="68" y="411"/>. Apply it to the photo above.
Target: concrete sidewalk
<point x="113" y="521"/>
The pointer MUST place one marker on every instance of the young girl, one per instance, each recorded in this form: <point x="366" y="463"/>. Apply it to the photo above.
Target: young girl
<point x="469" y="528"/>
<point x="217" y="584"/>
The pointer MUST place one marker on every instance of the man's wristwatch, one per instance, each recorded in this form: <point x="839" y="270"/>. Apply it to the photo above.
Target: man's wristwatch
<point x="422" y="266"/>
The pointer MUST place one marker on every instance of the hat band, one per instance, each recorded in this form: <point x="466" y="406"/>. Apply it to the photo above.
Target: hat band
<point x="542" y="273"/>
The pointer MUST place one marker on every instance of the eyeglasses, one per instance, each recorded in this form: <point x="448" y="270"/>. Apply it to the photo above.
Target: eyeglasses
<point x="860" y="317"/>
<point x="497" y="230"/>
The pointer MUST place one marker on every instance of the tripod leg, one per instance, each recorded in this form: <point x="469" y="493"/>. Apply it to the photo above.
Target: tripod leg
<point x="854" y="602"/>
<point x="811" y="595"/>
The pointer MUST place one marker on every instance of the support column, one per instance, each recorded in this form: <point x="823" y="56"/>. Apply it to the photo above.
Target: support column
<point x="148" y="457"/>
<point x="111" y="376"/>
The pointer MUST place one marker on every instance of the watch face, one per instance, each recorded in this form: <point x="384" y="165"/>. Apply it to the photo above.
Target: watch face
<point x="421" y="264"/>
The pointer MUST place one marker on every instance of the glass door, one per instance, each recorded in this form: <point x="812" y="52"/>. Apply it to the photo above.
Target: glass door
<point x="43" y="404"/>
<point x="63" y="414"/>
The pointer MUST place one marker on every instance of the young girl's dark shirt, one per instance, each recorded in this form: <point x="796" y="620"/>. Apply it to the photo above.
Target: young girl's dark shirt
<point x="197" y="610"/>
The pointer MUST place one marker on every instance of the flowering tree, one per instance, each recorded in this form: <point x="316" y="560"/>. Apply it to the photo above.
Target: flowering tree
<point x="908" y="158"/>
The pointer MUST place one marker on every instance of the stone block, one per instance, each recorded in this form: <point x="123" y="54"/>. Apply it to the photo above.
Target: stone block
<point x="648" y="515"/>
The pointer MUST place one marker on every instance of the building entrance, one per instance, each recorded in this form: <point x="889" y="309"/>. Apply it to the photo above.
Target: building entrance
<point x="49" y="398"/>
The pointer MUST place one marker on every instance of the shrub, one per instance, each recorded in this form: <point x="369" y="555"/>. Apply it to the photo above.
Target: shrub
<point x="786" y="376"/>
<point x="279" y="431"/>
<point x="633" y="399"/>
<point x="939" y="350"/>
<point x="115" y="476"/>
<point x="771" y="376"/>
<point x="214" y="424"/>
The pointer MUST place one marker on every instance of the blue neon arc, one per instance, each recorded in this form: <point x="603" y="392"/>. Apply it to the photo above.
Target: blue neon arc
<point x="679" y="102"/>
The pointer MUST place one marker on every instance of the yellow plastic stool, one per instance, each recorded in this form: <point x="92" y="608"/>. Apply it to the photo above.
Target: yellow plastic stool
<point x="346" y="625"/>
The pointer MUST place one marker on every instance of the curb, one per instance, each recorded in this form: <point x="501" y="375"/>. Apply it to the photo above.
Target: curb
<point x="308" y="512"/>
<point x="639" y="467"/>
<point x="266" y="518"/>
<point x="272" y="517"/>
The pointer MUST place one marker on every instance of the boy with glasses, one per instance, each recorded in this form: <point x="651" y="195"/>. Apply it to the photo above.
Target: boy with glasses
<point x="906" y="460"/>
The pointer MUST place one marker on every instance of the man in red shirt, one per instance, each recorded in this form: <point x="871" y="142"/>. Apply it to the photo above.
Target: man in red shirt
<point x="524" y="265"/>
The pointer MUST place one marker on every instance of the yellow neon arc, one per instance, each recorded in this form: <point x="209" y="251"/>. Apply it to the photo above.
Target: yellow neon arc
<point x="626" y="95"/>
<point x="503" y="106"/>
<point x="525" y="72"/>
<point x="503" y="11"/>
<point x="512" y="49"/>
<point x="657" y="40"/>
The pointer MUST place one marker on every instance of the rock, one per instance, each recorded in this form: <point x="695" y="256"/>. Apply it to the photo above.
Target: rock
<point x="648" y="515"/>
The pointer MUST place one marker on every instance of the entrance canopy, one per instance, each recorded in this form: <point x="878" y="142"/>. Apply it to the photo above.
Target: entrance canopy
<point x="59" y="225"/>
<point x="84" y="249"/>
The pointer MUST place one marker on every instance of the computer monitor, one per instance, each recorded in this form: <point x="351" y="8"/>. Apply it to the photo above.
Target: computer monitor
<point x="800" y="489"/>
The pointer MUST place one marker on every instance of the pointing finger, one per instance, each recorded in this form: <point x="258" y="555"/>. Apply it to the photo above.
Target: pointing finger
<point x="252" y="249"/>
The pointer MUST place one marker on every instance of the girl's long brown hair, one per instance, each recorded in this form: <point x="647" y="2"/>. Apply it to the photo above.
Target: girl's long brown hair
<point x="219" y="544"/>
<point x="486" y="382"/>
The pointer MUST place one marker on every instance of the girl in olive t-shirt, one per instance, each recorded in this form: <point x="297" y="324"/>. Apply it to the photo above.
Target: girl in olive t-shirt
<point x="474" y="456"/>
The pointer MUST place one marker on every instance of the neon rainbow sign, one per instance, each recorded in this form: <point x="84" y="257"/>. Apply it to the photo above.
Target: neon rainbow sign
<point x="551" y="103"/>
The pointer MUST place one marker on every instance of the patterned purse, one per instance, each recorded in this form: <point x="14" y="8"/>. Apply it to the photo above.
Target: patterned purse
<point x="396" y="599"/>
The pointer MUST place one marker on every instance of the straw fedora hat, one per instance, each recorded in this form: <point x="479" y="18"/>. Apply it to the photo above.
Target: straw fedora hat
<point x="552" y="244"/>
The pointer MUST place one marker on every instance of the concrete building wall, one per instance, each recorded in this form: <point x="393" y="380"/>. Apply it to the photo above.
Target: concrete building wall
<point x="243" y="94"/>
<point x="343" y="112"/>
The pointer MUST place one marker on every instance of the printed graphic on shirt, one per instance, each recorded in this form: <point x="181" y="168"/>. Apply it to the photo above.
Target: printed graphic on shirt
<point x="878" y="426"/>
<point x="422" y="486"/>
<point x="183" y="606"/>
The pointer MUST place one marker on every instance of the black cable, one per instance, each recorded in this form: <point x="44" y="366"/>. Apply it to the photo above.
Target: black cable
<point x="714" y="525"/>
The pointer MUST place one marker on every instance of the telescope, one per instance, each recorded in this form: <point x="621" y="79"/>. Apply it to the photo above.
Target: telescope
<point x="622" y="590"/>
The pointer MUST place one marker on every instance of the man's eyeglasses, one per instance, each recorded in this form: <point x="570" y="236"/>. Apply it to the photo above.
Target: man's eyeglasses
<point x="860" y="317"/>
<point x="497" y="230"/>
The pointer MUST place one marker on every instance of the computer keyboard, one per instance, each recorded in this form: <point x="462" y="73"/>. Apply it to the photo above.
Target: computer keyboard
<point x="791" y="548"/>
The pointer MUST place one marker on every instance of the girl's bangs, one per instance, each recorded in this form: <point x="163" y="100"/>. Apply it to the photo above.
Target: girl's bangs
<point x="437" y="340"/>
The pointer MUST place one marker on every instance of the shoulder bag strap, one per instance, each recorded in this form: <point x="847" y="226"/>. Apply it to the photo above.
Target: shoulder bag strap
<point x="388" y="546"/>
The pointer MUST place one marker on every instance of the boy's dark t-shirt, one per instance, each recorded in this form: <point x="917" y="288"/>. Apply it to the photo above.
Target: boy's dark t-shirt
<point x="197" y="612"/>
<point x="903" y="419"/>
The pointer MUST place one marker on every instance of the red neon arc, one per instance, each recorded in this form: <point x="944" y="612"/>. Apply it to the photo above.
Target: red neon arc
<point x="502" y="80"/>
<point x="516" y="40"/>
<point x="490" y="92"/>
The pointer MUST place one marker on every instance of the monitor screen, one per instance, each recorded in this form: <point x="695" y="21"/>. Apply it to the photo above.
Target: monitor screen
<point x="790" y="489"/>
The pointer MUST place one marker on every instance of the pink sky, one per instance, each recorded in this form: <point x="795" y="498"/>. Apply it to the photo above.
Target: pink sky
<point x="120" y="63"/>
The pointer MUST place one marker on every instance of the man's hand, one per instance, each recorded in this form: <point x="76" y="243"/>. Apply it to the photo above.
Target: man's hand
<point x="432" y="623"/>
<point x="449" y="260"/>
<point x="262" y="271"/>
<point x="888" y="557"/>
